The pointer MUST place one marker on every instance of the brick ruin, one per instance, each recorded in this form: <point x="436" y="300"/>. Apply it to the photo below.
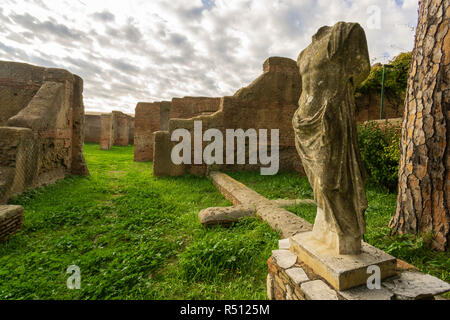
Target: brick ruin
<point x="41" y="127"/>
<point x="92" y="127"/>
<point x="368" y="107"/>
<point x="116" y="129"/>
<point x="188" y="107"/>
<point x="268" y="103"/>
<point x="152" y="117"/>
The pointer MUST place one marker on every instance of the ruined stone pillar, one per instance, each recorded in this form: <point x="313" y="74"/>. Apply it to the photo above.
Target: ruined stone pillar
<point x="105" y="131"/>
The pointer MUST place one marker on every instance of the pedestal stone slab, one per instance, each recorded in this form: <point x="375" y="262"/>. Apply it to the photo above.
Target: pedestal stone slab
<point x="284" y="244"/>
<point x="318" y="290"/>
<point x="341" y="271"/>
<point x="298" y="275"/>
<point x="415" y="285"/>
<point x="285" y="258"/>
<point x="364" y="293"/>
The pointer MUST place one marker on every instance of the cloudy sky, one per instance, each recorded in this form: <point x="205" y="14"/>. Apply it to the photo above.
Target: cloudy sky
<point x="130" y="51"/>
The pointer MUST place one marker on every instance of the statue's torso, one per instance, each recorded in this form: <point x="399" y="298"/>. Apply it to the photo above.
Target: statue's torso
<point x="320" y="79"/>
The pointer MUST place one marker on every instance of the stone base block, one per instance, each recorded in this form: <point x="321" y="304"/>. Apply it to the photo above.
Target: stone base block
<point x="11" y="220"/>
<point x="289" y="279"/>
<point x="341" y="271"/>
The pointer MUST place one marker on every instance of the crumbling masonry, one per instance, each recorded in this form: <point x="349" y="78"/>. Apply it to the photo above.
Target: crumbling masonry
<point x="116" y="129"/>
<point x="152" y="117"/>
<point x="41" y="127"/>
<point x="268" y="103"/>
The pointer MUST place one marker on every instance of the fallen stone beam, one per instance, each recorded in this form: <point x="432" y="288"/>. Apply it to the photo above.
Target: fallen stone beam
<point x="287" y="223"/>
<point x="225" y="215"/>
<point x="283" y="203"/>
<point x="228" y="215"/>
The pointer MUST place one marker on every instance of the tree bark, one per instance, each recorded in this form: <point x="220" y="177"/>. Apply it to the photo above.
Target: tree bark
<point x="424" y="172"/>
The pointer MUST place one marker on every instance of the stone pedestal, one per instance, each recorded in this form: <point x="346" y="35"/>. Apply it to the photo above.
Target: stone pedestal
<point x="341" y="271"/>
<point x="291" y="279"/>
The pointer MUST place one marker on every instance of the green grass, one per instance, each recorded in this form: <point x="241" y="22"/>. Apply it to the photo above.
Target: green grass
<point x="382" y="204"/>
<point x="133" y="237"/>
<point x="138" y="237"/>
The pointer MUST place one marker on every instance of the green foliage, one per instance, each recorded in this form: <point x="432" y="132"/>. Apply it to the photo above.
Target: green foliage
<point x="137" y="237"/>
<point x="216" y="256"/>
<point x="126" y="230"/>
<point x="380" y="152"/>
<point x="284" y="185"/>
<point x="395" y="80"/>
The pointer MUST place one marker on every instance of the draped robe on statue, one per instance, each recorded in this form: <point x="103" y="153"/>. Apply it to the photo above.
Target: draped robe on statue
<point x="326" y="137"/>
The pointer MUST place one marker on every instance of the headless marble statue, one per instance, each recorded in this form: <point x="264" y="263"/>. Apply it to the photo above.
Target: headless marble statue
<point x="335" y="63"/>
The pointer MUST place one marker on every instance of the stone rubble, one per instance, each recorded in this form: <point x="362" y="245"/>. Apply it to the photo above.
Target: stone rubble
<point x="11" y="220"/>
<point x="284" y="258"/>
<point x="415" y="285"/>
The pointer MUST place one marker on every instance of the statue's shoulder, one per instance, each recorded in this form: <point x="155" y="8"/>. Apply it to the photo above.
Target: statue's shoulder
<point x="300" y="56"/>
<point x="341" y="34"/>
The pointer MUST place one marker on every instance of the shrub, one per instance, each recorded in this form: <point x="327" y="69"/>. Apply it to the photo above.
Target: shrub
<point x="380" y="152"/>
<point x="396" y="78"/>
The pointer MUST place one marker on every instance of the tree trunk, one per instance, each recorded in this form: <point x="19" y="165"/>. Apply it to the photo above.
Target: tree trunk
<point x="424" y="173"/>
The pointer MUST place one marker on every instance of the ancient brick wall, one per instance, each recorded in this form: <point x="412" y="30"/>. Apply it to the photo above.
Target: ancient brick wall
<point x="18" y="85"/>
<point x="131" y="129"/>
<point x="116" y="129"/>
<point x="149" y="118"/>
<point x="188" y="107"/>
<point x="152" y="117"/>
<point x="43" y="140"/>
<point x="368" y="107"/>
<point x="121" y="128"/>
<point x="92" y="128"/>
<point x="79" y="166"/>
<point x="106" y="131"/>
<point x="268" y="103"/>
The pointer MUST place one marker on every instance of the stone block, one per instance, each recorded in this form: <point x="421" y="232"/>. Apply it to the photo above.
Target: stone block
<point x="364" y="293"/>
<point x="297" y="275"/>
<point x="225" y="215"/>
<point x="284" y="258"/>
<point x="11" y="220"/>
<point x="284" y="244"/>
<point x="341" y="271"/>
<point x="318" y="290"/>
<point x="410" y="285"/>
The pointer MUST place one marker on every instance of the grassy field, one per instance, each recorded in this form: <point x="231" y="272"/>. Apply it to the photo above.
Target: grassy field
<point x="137" y="237"/>
<point x="133" y="237"/>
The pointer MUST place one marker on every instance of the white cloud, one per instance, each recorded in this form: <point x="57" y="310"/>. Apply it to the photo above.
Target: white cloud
<point x="130" y="51"/>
